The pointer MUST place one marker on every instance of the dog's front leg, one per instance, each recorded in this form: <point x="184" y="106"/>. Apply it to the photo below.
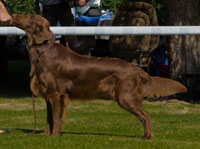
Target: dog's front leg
<point x="55" y="102"/>
<point x="49" y="125"/>
<point x="64" y="103"/>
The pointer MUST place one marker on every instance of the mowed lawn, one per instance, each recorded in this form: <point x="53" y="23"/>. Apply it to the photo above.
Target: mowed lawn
<point x="100" y="124"/>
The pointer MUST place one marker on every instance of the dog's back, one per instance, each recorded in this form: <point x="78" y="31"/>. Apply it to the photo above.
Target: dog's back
<point x="80" y="76"/>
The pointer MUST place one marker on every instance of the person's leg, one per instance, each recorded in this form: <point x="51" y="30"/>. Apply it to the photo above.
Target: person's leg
<point x="66" y="18"/>
<point x="71" y="42"/>
<point x="49" y="14"/>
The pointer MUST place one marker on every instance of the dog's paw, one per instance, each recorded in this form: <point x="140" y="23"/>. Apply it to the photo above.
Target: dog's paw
<point x="149" y="137"/>
<point x="55" y="134"/>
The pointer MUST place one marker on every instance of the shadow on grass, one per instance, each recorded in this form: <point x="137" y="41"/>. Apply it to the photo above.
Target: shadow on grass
<point x="99" y="134"/>
<point x="30" y="131"/>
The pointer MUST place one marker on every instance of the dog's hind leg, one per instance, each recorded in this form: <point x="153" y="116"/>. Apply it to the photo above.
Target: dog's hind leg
<point x="137" y="110"/>
<point x="130" y="97"/>
<point x="144" y="118"/>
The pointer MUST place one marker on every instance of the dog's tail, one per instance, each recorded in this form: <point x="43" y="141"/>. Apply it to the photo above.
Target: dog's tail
<point x="162" y="87"/>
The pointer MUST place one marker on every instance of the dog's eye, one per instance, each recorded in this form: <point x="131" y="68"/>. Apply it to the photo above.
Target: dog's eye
<point x="40" y="27"/>
<point x="31" y="17"/>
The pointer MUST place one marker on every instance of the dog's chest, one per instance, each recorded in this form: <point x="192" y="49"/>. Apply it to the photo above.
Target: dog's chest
<point x="36" y="88"/>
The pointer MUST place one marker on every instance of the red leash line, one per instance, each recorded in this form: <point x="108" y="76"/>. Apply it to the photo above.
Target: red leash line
<point x="34" y="114"/>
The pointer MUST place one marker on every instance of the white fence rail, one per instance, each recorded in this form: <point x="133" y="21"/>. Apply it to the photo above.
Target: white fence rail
<point x="122" y="30"/>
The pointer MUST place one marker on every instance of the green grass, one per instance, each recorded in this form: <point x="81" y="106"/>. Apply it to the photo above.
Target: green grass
<point x="100" y="124"/>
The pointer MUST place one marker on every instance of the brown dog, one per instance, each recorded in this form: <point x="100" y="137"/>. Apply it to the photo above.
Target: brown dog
<point x="59" y="74"/>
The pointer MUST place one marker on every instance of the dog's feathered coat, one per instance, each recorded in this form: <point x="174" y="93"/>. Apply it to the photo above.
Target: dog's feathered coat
<point x="59" y="74"/>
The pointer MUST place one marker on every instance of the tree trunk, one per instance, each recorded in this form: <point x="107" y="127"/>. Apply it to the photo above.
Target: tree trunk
<point x="184" y="51"/>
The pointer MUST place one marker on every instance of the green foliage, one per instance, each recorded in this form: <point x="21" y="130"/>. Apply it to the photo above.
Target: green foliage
<point x="159" y="6"/>
<point x="21" y="6"/>
<point x="113" y="5"/>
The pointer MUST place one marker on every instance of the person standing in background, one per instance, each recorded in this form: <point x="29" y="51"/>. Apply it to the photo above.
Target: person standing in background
<point x="58" y="11"/>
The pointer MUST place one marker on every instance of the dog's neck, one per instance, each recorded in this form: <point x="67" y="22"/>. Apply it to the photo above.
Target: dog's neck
<point x="45" y="41"/>
<point x="37" y="50"/>
<point x="46" y="44"/>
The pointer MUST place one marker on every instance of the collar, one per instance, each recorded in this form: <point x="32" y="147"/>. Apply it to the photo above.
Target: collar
<point x="37" y="45"/>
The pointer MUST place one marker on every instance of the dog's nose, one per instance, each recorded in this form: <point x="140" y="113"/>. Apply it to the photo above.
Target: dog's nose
<point x="12" y="20"/>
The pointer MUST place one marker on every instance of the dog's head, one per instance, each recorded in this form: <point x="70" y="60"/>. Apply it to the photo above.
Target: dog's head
<point x="35" y="26"/>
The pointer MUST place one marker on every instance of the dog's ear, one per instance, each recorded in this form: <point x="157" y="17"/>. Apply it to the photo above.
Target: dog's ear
<point x="43" y="33"/>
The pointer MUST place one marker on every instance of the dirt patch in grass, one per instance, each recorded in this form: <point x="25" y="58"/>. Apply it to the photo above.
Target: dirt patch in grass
<point x="172" y="107"/>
